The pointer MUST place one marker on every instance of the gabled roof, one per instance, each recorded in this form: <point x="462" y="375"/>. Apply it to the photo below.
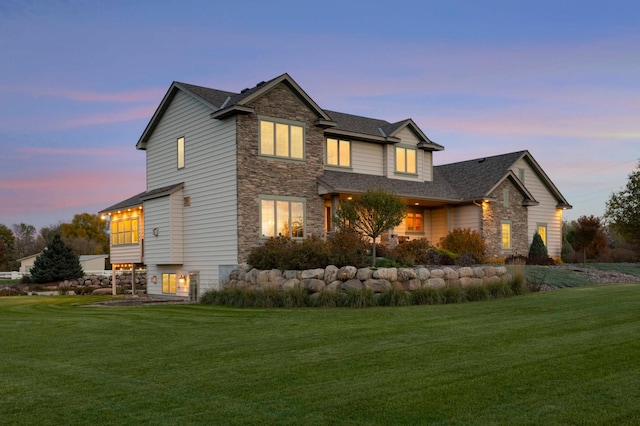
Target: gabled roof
<point x="462" y="182"/>
<point x="376" y="130"/>
<point x="224" y="104"/>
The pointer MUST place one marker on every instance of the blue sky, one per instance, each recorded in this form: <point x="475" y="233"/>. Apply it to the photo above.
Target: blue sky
<point x="79" y="81"/>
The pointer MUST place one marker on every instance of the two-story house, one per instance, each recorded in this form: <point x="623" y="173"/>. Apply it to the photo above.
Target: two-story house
<point x="226" y="171"/>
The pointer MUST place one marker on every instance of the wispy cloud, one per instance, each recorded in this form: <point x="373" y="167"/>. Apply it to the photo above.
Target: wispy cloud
<point x="143" y="95"/>
<point x="119" y="116"/>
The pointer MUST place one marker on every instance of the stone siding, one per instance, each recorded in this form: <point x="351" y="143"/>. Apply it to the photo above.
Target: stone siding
<point x="259" y="175"/>
<point x="493" y="215"/>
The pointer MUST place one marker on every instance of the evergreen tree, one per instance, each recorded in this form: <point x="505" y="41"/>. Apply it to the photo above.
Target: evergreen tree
<point x="537" y="249"/>
<point x="57" y="262"/>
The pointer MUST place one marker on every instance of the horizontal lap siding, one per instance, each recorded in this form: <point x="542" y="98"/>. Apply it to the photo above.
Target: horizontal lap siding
<point x="466" y="217"/>
<point x="209" y="223"/>
<point x="545" y="212"/>
<point x="129" y="253"/>
<point x="367" y="158"/>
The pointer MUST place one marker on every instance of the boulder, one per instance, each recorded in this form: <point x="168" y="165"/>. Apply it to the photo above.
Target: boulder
<point x="291" y="274"/>
<point x="436" y="273"/>
<point x="351" y="285"/>
<point x="435" y="282"/>
<point x="478" y="272"/>
<point x="333" y="286"/>
<point x="423" y="274"/>
<point x="378" y="285"/>
<point x="389" y="274"/>
<point x="292" y="283"/>
<point x="450" y="274"/>
<point x="347" y="272"/>
<point x="406" y="274"/>
<point x="314" y="285"/>
<point x="465" y="272"/>
<point x="364" y="274"/>
<point x="317" y="274"/>
<point x="330" y="273"/>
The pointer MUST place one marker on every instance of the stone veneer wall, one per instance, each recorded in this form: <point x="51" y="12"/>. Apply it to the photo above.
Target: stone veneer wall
<point x="495" y="212"/>
<point x="378" y="280"/>
<point x="277" y="177"/>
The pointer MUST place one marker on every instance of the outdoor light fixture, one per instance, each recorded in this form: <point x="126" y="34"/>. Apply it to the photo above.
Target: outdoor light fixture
<point x="154" y="279"/>
<point x="181" y="279"/>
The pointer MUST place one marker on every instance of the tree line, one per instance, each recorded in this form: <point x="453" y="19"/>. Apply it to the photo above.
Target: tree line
<point x="86" y="234"/>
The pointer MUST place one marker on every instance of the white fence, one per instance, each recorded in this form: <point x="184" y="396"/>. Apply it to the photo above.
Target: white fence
<point x="15" y="275"/>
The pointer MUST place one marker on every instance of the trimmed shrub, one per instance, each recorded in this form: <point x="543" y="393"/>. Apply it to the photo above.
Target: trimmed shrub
<point x="347" y="248"/>
<point x="438" y="256"/>
<point x="414" y="252"/>
<point x="464" y="240"/>
<point x="270" y="255"/>
<point x="311" y="253"/>
<point x="537" y="247"/>
<point x="466" y="259"/>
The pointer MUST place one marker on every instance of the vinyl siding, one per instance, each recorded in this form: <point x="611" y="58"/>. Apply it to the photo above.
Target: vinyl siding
<point x="439" y="224"/>
<point x="408" y="140"/>
<point x="466" y="217"/>
<point x="129" y="253"/>
<point x="367" y="158"/>
<point x="209" y="223"/>
<point x="545" y="212"/>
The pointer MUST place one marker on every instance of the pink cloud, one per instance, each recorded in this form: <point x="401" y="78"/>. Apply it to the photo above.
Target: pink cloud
<point x="38" y="150"/>
<point x="119" y="116"/>
<point x="143" y="95"/>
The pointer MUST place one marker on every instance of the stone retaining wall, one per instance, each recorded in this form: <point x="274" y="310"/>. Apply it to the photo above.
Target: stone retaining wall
<point x="378" y="280"/>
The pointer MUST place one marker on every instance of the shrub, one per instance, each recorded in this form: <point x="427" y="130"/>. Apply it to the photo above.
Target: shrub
<point x="364" y="298"/>
<point x="412" y="252"/>
<point x="464" y="240"/>
<point x="476" y="293"/>
<point x="537" y="247"/>
<point x="311" y="253"/>
<point x="499" y="290"/>
<point x="452" y="294"/>
<point x="270" y="255"/>
<point x="466" y="259"/>
<point x="347" y="248"/>
<point x="441" y="257"/>
<point x="426" y="296"/>
<point x="388" y="263"/>
<point x="394" y="297"/>
<point x="26" y="279"/>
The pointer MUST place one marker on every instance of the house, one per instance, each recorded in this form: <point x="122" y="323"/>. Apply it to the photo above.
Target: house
<point x="89" y="262"/>
<point x="228" y="170"/>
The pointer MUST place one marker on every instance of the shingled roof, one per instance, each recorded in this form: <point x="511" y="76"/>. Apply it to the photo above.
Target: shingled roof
<point x="465" y="181"/>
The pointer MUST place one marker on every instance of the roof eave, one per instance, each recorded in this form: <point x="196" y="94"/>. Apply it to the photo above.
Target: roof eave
<point x="232" y="110"/>
<point x="362" y="136"/>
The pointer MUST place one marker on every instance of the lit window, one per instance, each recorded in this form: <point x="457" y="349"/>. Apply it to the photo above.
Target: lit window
<point x="124" y="231"/>
<point x="338" y="153"/>
<point x="282" y="218"/>
<point x="168" y="283"/>
<point x="414" y="222"/>
<point x="406" y="160"/>
<point x="506" y="235"/>
<point x="181" y="152"/>
<point x="281" y="140"/>
<point x="542" y="230"/>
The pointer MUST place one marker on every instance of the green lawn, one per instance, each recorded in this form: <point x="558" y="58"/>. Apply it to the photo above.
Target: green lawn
<point x="569" y="356"/>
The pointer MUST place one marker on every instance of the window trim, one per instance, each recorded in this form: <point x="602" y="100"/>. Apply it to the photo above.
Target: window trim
<point x="395" y="162"/>
<point x="180" y="144"/>
<point x="289" y="200"/>
<point x="168" y="277"/>
<point x="406" y="223"/>
<point x="502" y="224"/>
<point x="338" y="156"/>
<point x="115" y="233"/>
<point x="546" y="232"/>
<point x="289" y="123"/>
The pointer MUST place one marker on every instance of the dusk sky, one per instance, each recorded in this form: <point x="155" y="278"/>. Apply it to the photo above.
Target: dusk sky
<point x="79" y="81"/>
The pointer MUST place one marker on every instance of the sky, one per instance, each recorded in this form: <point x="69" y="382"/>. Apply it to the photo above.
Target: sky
<point x="79" y="81"/>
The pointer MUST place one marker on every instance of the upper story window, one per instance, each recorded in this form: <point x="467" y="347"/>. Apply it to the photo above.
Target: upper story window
<point x="180" y="146"/>
<point x="284" y="139"/>
<point x="406" y="160"/>
<point x="124" y="231"/>
<point x="338" y="153"/>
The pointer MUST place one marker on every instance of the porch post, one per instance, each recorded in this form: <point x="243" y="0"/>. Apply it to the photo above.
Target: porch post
<point x="335" y="201"/>
<point x="113" y="279"/>
<point x="133" y="279"/>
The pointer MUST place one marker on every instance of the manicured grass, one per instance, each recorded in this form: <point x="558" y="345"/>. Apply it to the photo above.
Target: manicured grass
<point x="568" y="356"/>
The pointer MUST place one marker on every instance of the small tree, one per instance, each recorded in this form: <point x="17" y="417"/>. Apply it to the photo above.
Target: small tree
<point x="623" y="209"/>
<point x="537" y="249"/>
<point x="371" y="213"/>
<point x="56" y="263"/>
<point x="589" y="237"/>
